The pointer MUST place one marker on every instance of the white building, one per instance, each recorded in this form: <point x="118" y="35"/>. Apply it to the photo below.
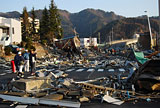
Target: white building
<point x="36" y="22"/>
<point x="10" y="31"/>
<point x="86" y="42"/>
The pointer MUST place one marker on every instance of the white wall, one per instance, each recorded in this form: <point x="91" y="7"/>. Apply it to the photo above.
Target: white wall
<point x="0" y="33"/>
<point x="12" y="23"/>
<point x="16" y="37"/>
<point x="88" y="41"/>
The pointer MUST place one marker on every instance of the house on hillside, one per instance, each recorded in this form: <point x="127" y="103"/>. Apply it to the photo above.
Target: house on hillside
<point x="10" y="31"/>
<point x="36" y="22"/>
<point x="86" y="42"/>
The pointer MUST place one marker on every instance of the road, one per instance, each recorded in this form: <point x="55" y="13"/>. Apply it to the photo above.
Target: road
<point x="78" y="74"/>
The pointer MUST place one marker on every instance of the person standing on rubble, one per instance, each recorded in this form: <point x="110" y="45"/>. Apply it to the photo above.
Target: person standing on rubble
<point x="16" y="61"/>
<point x="26" y="58"/>
<point x="20" y="63"/>
<point x="68" y="53"/>
<point x="32" y="60"/>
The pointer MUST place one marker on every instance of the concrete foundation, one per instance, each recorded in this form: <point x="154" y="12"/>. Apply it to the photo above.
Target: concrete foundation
<point x="34" y="84"/>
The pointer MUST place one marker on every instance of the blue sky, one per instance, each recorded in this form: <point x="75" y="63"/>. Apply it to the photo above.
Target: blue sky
<point x="128" y="8"/>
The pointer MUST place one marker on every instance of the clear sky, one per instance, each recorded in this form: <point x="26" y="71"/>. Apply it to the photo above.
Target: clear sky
<point x="128" y="8"/>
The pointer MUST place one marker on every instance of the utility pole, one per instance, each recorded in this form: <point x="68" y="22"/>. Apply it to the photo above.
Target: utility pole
<point x="159" y="27"/>
<point x="112" y="33"/>
<point x="110" y="40"/>
<point x="99" y="37"/>
<point x="149" y="26"/>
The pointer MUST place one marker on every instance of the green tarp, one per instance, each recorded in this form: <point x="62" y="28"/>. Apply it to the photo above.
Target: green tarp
<point x="140" y="57"/>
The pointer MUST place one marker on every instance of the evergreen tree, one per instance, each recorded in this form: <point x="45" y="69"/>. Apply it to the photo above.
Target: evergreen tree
<point x="25" y="24"/>
<point x="33" y="33"/>
<point x="33" y="25"/>
<point x="44" y="25"/>
<point x="55" y="22"/>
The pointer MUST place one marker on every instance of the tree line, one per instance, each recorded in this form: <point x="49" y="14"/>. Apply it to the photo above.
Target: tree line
<point x="126" y="28"/>
<point x="50" y="26"/>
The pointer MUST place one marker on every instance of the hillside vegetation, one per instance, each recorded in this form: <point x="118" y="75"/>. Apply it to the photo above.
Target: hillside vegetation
<point x="90" y="21"/>
<point x="86" y="22"/>
<point x="126" y="28"/>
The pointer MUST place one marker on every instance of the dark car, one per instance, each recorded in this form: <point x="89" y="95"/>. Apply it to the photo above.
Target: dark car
<point x="14" y="48"/>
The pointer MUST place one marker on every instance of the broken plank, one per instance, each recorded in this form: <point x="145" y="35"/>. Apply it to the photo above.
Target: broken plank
<point x="111" y="100"/>
<point x="54" y="97"/>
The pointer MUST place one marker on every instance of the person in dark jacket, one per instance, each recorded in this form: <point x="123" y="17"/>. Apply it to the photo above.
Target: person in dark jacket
<point x="19" y="63"/>
<point x="32" y="60"/>
<point x="16" y="61"/>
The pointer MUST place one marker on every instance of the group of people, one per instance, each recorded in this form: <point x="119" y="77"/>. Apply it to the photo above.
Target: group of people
<point x="24" y="61"/>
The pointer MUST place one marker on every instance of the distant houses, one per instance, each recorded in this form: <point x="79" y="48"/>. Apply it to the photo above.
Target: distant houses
<point x="87" y="42"/>
<point x="36" y="22"/>
<point x="10" y="31"/>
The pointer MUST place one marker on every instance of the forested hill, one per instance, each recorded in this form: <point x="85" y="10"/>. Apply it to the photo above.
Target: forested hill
<point x="90" y="21"/>
<point x="86" y="22"/>
<point x="126" y="28"/>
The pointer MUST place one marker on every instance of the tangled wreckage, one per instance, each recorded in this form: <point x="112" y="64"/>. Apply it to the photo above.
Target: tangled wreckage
<point x="101" y="77"/>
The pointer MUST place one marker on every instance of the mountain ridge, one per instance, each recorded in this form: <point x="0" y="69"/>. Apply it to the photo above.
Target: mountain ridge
<point x="86" y="22"/>
<point x="126" y="28"/>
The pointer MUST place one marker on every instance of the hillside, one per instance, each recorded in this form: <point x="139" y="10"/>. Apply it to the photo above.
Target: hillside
<point x="89" y="21"/>
<point x="13" y="14"/>
<point x="86" y="22"/>
<point x="126" y="28"/>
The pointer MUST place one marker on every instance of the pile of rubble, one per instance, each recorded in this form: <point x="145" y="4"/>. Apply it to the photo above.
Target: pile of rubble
<point x="133" y="82"/>
<point x="55" y="88"/>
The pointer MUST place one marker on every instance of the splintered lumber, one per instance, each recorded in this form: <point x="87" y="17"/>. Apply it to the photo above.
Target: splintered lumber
<point x="37" y="101"/>
<point x="83" y="99"/>
<point x="22" y="94"/>
<point x="54" y="97"/>
<point x="156" y="86"/>
<point x="143" y="97"/>
<point x="98" y="88"/>
<point x="153" y="54"/>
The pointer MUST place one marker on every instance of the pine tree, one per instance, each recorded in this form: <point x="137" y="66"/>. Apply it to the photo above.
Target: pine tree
<point x="55" y="22"/>
<point x="44" y="24"/>
<point x="33" y="25"/>
<point x="33" y="33"/>
<point x="25" y="24"/>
